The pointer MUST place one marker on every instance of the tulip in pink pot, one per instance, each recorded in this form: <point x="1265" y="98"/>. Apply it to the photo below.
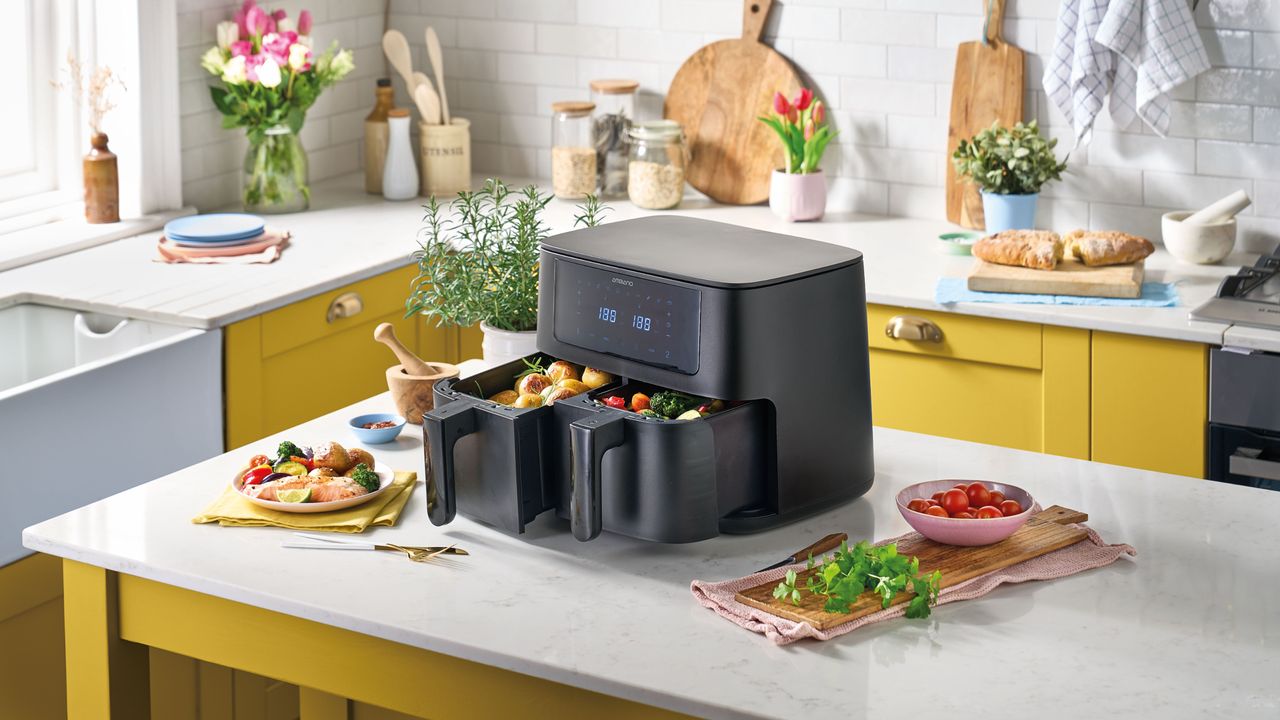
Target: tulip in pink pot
<point x="797" y="197"/>
<point x="798" y="191"/>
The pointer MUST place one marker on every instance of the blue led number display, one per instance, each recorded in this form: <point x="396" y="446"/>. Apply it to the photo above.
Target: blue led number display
<point x="659" y="320"/>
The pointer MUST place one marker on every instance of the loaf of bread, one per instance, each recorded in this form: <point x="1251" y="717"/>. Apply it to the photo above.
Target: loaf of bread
<point x="1039" y="249"/>
<point x="1107" y="247"/>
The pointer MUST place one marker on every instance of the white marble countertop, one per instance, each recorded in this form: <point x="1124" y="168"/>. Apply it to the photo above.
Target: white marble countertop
<point x="349" y="235"/>
<point x="1188" y="628"/>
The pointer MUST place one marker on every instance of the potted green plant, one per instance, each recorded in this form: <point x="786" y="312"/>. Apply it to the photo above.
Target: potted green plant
<point x="798" y="191"/>
<point x="1010" y="165"/>
<point x="478" y="263"/>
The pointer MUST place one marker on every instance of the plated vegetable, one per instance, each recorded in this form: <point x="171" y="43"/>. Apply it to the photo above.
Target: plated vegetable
<point x="324" y="473"/>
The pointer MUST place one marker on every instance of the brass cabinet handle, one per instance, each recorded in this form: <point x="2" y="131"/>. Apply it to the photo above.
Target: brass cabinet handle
<point x="907" y="327"/>
<point x="344" y="306"/>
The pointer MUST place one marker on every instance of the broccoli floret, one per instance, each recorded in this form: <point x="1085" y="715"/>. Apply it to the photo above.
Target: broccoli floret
<point x="367" y="478"/>
<point x="670" y="404"/>
<point x="288" y="450"/>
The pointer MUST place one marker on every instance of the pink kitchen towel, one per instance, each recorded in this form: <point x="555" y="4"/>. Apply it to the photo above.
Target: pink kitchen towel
<point x="719" y="596"/>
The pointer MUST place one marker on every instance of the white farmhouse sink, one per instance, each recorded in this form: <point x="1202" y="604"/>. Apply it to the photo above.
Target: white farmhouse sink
<point x="91" y="405"/>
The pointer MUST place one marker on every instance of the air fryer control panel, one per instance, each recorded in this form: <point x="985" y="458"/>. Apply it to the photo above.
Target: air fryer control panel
<point x="626" y="315"/>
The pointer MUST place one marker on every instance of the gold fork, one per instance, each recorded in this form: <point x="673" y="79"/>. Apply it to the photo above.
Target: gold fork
<point x="422" y="555"/>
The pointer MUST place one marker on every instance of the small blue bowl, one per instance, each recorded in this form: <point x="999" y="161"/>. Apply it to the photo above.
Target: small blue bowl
<point x="376" y="436"/>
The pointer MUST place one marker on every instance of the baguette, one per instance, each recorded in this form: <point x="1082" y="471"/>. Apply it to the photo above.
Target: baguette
<point x="1107" y="247"/>
<point x="1037" y="249"/>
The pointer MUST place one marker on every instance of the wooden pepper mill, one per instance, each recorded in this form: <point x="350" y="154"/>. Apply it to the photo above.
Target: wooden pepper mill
<point x="101" y="183"/>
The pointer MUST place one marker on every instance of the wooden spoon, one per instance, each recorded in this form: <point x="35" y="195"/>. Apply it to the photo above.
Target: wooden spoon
<point x="396" y="48"/>
<point x="437" y="65"/>
<point x="386" y="334"/>
<point x="428" y="103"/>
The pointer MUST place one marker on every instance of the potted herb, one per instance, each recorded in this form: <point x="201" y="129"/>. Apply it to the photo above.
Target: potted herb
<point x="478" y="263"/>
<point x="799" y="190"/>
<point x="1010" y="165"/>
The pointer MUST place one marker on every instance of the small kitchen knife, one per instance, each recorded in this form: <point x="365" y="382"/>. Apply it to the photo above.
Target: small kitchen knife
<point x="830" y="542"/>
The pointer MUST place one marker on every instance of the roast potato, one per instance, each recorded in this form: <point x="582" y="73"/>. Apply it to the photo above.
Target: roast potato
<point x="561" y="370"/>
<point x="506" y="397"/>
<point x="577" y="386"/>
<point x="533" y="383"/>
<point x="594" y="378"/>
<point x="355" y="456"/>
<point x="330" y="455"/>
<point x="558" y="393"/>
<point x="528" y="400"/>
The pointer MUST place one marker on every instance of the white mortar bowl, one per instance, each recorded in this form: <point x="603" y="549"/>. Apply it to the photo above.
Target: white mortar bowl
<point x="1194" y="242"/>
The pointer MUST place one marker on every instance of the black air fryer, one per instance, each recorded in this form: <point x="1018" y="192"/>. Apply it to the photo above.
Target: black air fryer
<point x="773" y="322"/>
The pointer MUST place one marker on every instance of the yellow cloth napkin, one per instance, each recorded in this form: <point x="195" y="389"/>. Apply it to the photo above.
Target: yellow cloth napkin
<point x="231" y="509"/>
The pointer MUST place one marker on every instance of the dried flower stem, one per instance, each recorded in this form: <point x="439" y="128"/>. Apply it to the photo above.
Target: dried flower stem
<point x="91" y="88"/>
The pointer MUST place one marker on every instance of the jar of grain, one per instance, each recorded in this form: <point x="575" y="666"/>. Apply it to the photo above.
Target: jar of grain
<point x="573" y="152"/>
<point x="615" y="110"/>
<point x="655" y="173"/>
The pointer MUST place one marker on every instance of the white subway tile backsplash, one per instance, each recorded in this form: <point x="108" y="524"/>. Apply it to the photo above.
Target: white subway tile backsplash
<point x="1096" y="183"/>
<point x="657" y="45"/>
<point x="1210" y="120"/>
<point x="922" y="64"/>
<point x="849" y="59"/>
<point x="1136" y="219"/>
<point x="891" y="164"/>
<point x="494" y="97"/>
<point x="1239" y="14"/>
<point x="1266" y="50"/>
<point x="561" y="11"/>
<point x="713" y="16"/>
<point x="470" y="64"/>
<point x="645" y="73"/>
<point x="461" y="8"/>
<point x="887" y="28"/>
<point x="1266" y="125"/>
<point x="860" y="128"/>
<point x="1239" y="85"/>
<point x="580" y="40"/>
<point x="918" y="201"/>
<point x="484" y="126"/>
<point x="1228" y="48"/>
<point x="1250" y="160"/>
<point x="501" y="35"/>
<point x="525" y="130"/>
<point x="1266" y="198"/>
<point x="917" y="132"/>
<point x="1061" y="214"/>
<point x="621" y="13"/>
<point x="1143" y="151"/>
<point x="536" y="69"/>
<point x="804" y="23"/>
<point x="890" y="96"/>
<point x="1189" y="191"/>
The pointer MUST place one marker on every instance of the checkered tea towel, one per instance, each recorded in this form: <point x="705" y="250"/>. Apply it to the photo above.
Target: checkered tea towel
<point x="1079" y="73"/>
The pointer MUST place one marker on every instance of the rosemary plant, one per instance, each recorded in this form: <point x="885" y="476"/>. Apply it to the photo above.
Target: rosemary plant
<point x="478" y="257"/>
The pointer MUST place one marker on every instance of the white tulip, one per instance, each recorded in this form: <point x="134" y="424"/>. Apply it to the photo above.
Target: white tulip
<point x="269" y="73"/>
<point x="285" y="25"/>
<point x="228" y="32"/>
<point x="214" y="60"/>
<point x="233" y="73"/>
<point x="299" y="57"/>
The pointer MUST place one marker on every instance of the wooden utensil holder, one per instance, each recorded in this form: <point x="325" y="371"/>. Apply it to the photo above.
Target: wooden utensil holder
<point x="412" y="393"/>
<point x="445" y="154"/>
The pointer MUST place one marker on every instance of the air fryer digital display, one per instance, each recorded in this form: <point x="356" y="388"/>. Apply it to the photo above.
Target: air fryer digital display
<point x="624" y="315"/>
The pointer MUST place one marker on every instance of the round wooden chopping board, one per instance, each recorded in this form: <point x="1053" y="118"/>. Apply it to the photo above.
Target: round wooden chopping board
<point x="717" y="96"/>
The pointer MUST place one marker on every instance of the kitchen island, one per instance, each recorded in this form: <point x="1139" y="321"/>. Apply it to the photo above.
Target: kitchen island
<point x="543" y="625"/>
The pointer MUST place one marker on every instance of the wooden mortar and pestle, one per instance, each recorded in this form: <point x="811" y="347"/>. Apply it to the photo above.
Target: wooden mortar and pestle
<point x="411" y="382"/>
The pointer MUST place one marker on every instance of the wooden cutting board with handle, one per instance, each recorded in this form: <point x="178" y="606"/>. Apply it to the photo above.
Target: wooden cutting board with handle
<point x="987" y="88"/>
<point x="1069" y="278"/>
<point x="1045" y="532"/>
<point x="716" y="96"/>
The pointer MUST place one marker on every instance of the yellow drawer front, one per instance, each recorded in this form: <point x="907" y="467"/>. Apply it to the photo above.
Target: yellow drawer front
<point x="306" y="321"/>
<point x="993" y="404"/>
<point x="33" y="679"/>
<point x="1150" y="403"/>
<point x="1000" y="342"/>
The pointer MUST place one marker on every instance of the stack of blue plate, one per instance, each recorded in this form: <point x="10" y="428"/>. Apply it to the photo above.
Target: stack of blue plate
<point x="215" y="230"/>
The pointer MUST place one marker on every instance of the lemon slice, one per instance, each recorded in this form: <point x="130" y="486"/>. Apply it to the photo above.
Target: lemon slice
<point x="294" y="495"/>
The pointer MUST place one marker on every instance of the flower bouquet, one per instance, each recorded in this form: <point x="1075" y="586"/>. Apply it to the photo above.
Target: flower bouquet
<point x="270" y="77"/>
<point x="799" y="191"/>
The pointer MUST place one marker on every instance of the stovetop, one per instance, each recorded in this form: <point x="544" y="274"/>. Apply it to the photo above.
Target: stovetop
<point x="1250" y="297"/>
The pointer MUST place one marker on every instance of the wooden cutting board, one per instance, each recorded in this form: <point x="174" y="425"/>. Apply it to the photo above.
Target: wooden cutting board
<point x="987" y="88"/>
<point x="717" y="96"/>
<point x="1045" y="532"/>
<point x="1071" y="277"/>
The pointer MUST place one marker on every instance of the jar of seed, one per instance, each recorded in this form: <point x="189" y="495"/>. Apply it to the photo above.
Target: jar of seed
<point x="655" y="173"/>
<point x="573" y="152"/>
<point x="615" y="110"/>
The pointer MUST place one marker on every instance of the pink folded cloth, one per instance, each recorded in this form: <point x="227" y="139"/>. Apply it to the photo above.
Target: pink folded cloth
<point x="265" y="249"/>
<point x="719" y="596"/>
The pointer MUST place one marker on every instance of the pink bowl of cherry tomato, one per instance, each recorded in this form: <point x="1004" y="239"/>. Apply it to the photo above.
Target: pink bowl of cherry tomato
<point x="965" y="512"/>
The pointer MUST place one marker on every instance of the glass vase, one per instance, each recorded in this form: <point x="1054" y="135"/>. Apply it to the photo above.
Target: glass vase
<point x="275" y="173"/>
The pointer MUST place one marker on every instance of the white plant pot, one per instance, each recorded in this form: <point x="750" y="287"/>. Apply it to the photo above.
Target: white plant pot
<point x="503" y="346"/>
<point x="798" y="197"/>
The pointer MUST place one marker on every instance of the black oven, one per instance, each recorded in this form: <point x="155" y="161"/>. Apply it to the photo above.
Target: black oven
<point x="1244" y="418"/>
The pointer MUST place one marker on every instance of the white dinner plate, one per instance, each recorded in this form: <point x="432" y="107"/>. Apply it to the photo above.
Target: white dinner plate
<point x="385" y="477"/>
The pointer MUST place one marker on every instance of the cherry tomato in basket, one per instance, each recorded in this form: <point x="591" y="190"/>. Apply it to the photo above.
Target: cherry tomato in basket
<point x="919" y="505"/>
<point x="997" y="497"/>
<point x="257" y="475"/>
<point x="937" y="511"/>
<point x="955" y="501"/>
<point x="1010" y="507"/>
<point x="937" y="497"/>
<point x="989" y="512"/>
<point x="258" y="460"/>
<point x="979" y="495"/>
<point x="616" y="401"/>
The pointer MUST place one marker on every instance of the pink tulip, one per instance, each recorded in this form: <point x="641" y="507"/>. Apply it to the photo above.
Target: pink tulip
<point x="279" y="15"/>
<point x="808" y="129"/>
<point x="258" y="21"/>
<point x="304" y="22"/>
<point x="277" y="46"/>
<point x="780" y="104"/>
<point x="241" y="48"/>
<point x="819" y="112"/>
<point x="241" y="16"/>
<point x="803" y="99"/>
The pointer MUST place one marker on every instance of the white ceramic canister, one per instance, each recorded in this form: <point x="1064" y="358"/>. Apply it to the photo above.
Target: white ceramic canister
<point x="400" y="172"/>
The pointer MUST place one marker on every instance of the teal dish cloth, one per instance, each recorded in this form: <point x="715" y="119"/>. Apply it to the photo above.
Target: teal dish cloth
<point x="953" y="290"/>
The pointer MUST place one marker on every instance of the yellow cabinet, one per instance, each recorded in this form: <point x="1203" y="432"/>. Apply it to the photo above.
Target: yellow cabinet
<point x="1150" y="403"/>
<point x="33" y="679"/>
<point x="316" y="355"/>
<point x="1014" y="384"/>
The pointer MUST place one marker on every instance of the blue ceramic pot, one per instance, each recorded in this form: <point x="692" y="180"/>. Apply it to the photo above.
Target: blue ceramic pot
<point x="1009" y="212"/>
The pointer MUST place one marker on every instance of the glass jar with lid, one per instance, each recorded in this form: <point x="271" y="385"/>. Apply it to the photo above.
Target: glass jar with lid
<point x="615" y="110"/>
<point x="655" y="171"/>
<point x="573" y="152"/>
